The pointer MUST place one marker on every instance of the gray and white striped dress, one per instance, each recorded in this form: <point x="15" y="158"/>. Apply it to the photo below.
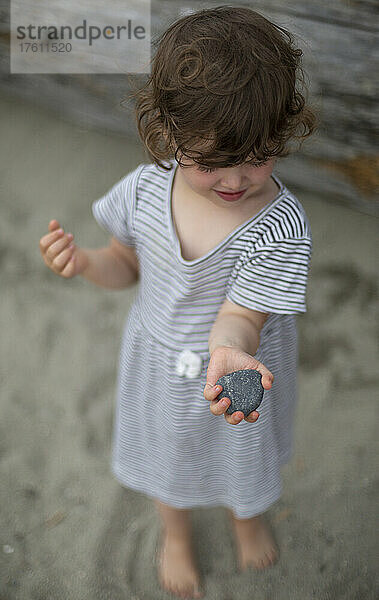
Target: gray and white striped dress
<point x="166" y="442"/>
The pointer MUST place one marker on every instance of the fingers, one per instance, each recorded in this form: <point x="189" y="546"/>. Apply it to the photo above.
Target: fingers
<point x="57" y="249"/>
<point x="238" y="416"/>
<point x="211" y="391"/>
<point x="267" y="376"/>
<point x="219" y="407"/>
<point x="54" y="224"/>
<point x="252" y="417"/>
<point x="235" y="418"/>
<point x="267" y="380"/>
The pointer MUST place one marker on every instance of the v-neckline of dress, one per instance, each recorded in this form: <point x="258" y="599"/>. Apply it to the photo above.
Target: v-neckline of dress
<point x="173" y="235"/>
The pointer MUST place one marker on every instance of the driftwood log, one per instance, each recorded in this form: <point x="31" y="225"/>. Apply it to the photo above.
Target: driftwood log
<point x="339" y="41"/>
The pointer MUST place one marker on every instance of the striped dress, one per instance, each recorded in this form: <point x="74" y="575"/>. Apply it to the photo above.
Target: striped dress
<point x="166" y="442"/>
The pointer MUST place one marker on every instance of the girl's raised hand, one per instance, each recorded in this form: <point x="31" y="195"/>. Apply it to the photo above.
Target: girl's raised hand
<point x="59" y="251"/>
<point x="224" y="360"/>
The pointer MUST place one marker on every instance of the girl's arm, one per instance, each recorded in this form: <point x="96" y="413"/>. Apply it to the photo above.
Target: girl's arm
<point x="234" y="331"/>
<point x="238" y="327"/>
<point x="233" y="341"/>
<point x="106" y="267"/>
<point x="115" y="266"/>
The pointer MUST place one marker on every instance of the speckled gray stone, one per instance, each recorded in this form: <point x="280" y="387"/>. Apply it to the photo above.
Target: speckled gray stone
<point x="243" y="388"/>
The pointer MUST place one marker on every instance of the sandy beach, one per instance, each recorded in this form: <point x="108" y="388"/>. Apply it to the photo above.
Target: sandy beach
<point x="68" y="530"/>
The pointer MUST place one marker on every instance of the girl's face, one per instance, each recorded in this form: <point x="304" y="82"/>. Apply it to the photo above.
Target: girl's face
<point x="252" y="181"/>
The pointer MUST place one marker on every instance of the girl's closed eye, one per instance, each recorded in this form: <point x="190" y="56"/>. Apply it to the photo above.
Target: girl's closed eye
<point x="258" y="164"/>
<point x="206" y="169"/>
<point x="252" y="164"/>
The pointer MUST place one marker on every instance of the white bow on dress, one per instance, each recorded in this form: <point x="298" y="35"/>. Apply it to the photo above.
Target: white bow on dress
<point x="189" y="364"/>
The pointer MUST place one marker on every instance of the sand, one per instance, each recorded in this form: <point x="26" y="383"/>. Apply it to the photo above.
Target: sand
<point x="68" y="529"/>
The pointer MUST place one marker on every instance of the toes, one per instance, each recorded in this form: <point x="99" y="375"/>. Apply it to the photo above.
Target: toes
<point x="273" y="558"/>
<point x="272" y="555"/>
<point x="266" y="561"/>
<point x="270" y="558"/>
<point x="261" y="564"/>
<point x="187" y="594"/>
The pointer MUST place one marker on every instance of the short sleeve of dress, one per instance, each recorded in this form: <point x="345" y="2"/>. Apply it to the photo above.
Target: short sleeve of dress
<point x="274" y="278"/>
<point x="115" y="210"/>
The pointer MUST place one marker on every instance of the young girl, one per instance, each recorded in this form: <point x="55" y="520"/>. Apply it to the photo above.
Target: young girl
<point x="220" y="248"/>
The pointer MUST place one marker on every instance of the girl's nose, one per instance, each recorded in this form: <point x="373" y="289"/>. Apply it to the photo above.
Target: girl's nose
<point x="232" y="182"/>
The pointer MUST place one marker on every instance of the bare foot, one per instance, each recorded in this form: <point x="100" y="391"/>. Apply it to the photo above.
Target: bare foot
<point x="255" y="544"/>
<point x="177" y="572"/>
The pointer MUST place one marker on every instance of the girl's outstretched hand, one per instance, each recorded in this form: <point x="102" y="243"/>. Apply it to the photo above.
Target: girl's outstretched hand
<point x="224" y="360"/>
<point x="60" y="253"/>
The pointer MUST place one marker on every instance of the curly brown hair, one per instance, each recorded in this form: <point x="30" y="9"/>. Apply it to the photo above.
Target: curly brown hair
<point x="223" y="91"/>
